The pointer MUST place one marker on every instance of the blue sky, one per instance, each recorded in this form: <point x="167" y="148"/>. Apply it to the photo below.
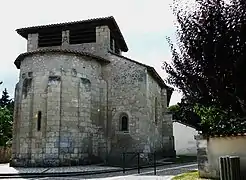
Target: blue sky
<point x="144" y="24"/>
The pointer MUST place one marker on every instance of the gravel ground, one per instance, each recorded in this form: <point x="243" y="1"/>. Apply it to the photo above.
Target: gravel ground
<point x="163" y="173"/>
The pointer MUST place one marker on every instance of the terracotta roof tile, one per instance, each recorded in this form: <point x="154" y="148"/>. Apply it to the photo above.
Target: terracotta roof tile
<point x="23" y="55"/>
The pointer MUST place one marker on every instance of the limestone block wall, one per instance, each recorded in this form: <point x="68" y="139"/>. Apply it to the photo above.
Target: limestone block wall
<point x="159" y="122"/>
<point x="155" y="116"/>
<point x="126" y="94"/>
<point x="60" y="111"/>
<point x="130" y="93"/>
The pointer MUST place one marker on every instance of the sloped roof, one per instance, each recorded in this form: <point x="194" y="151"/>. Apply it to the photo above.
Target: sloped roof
<point x="109" y="21"/>
<point x="23" y="55"/>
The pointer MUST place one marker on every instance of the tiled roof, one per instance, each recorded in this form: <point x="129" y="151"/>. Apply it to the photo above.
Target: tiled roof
<point x="23" y="55"/>
<point x="110" y="21"/>
<point x="154" y="74"/>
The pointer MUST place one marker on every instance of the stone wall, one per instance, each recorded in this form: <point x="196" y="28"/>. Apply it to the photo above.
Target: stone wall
<point x="69" y="93"/>
<point x="5" y="154"/>
<point x="202" y="157"/>
<point x="160" y="137"/>
<point x="133" y="91"/>
<point x="209" y="151"/>
<point x="126" y="94"/>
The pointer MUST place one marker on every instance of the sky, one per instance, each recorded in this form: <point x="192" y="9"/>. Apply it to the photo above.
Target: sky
<point x="145" y="24"/>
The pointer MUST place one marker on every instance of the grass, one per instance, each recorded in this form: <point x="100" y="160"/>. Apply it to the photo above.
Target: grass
<point x="192" y="175"/>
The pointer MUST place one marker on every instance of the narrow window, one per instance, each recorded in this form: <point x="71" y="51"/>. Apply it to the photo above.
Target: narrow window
<point x="39" y="121"/>
<point x="124" y="123"/>
<point x="156" y="115"/>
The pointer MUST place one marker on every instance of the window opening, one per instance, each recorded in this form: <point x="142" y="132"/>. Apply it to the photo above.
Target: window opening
<point x="124" y="123"/>
<point x="39" y="121"/>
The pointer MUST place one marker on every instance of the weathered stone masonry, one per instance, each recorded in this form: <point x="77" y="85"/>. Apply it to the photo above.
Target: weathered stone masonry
<point x="81" y="103"/>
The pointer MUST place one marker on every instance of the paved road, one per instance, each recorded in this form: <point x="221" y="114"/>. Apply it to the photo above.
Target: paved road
<point x="163" y="173"/>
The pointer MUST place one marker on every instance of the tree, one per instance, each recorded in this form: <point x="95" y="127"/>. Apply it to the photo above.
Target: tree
<point x="6" y="101"/>
<point x="184" y="113"/>
<point x="6" y="121"/>
<point x="208" y="65"/>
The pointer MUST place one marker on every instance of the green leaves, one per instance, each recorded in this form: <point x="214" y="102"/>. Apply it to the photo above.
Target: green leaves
<point x="6" y="121"/>
<point x="6" y="118"/>
<point x="209" y="64"/>
<point x="184" y="113"/>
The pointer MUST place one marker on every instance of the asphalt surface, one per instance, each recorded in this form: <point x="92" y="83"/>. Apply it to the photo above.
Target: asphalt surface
<point x="162" y="173"/>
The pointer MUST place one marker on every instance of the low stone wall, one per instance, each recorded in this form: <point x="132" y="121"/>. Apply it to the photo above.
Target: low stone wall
<point x="210" y="149"/>
<point x="202" y="156"/>
<point x="5" y="154"/>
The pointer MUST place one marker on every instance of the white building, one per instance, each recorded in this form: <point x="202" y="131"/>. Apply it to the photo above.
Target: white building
<point x="185" y="143"/>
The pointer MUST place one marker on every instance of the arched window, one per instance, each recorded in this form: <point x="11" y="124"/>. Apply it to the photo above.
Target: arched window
<point x="124" y="122"/>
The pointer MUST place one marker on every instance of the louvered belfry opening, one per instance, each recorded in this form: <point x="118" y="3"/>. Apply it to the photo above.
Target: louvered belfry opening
<point x="80" y="35"/>
<point x="50" y="38"/>
<point x="117" y="49"/>
<point x="111" y="41"/>
<point x="116" y="46"/>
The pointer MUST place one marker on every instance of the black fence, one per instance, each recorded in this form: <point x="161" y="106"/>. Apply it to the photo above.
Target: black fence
<point x="138" y="161"/>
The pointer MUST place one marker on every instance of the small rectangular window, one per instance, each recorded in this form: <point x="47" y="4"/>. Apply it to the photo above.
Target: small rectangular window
<point x="39" y="121"/>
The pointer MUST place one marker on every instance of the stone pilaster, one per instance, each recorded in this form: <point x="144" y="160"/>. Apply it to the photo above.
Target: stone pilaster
<point x="103" y="38"/>
<point x="52" y="146"/>
<point x="32" y="42"/>
<point x="65" y="39"/>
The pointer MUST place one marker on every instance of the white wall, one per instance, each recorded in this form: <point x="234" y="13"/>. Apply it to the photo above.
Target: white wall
<point x="185" y="144"/>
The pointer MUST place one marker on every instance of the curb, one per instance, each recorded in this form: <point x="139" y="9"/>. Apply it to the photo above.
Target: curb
<point x="62" y="174"/>
<point x="66" y="174"/>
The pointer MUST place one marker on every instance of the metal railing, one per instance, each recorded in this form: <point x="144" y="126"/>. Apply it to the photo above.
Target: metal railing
<point x="138" y="161"/>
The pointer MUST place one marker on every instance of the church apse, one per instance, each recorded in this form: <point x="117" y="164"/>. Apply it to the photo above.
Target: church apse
<point x="79" y="101"/>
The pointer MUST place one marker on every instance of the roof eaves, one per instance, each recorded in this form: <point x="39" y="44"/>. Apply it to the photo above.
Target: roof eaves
<point x="23" y="55"/>
<point x="22" y="31"/>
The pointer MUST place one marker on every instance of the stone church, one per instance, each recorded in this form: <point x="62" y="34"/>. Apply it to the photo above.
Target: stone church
<point x="79" y="100"/>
